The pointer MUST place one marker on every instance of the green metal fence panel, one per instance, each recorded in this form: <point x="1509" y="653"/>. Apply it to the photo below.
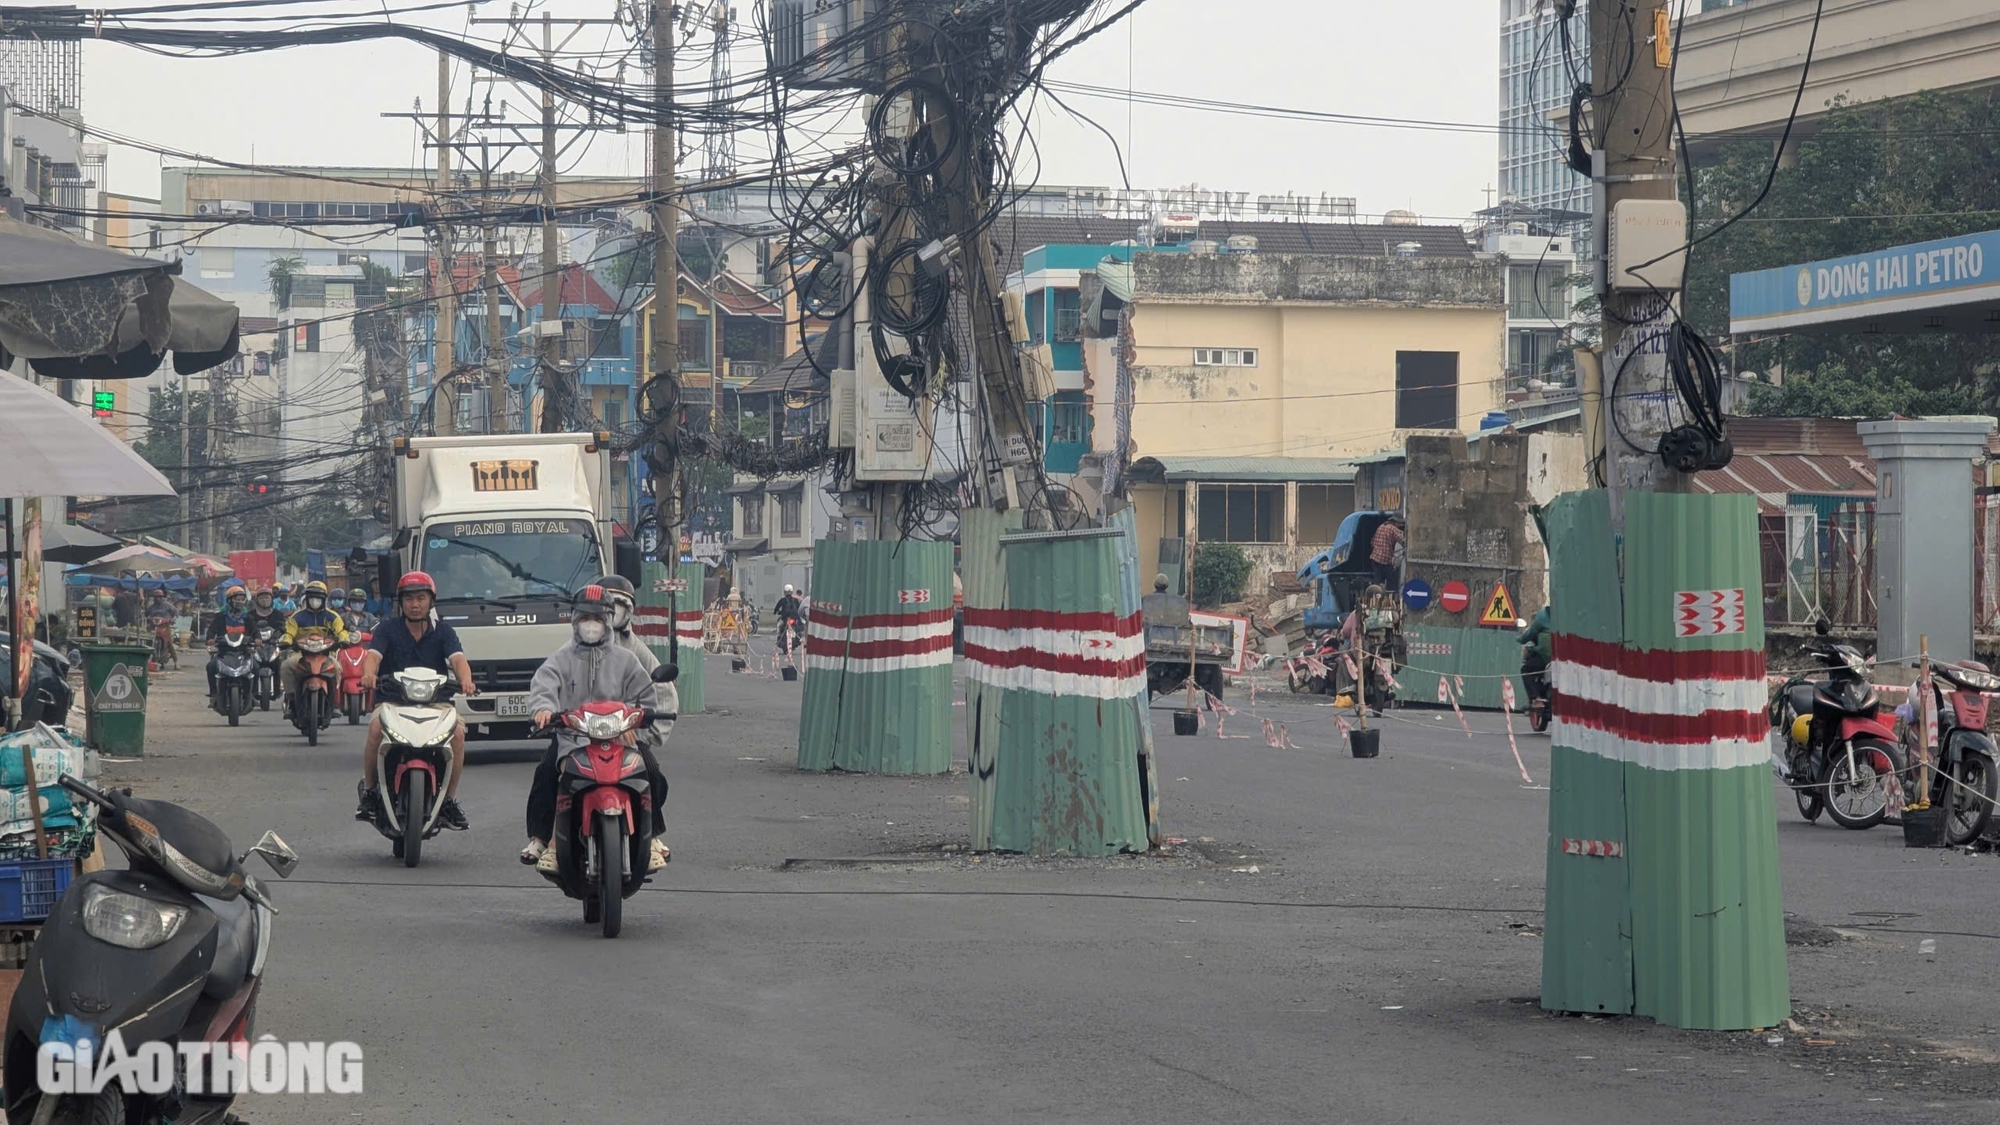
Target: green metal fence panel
<point x="670" y="624"/>
<point x="985" y="577"/>
<point x="1067" y="657"/>
<point x="1586" y="936"/>
<point x="1707" y="910"/>
<point x="877" y="691"/>
<point x="1477" y="661"/>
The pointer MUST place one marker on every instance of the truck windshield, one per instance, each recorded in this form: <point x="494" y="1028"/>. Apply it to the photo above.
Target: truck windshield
<point x="507" y="559"/>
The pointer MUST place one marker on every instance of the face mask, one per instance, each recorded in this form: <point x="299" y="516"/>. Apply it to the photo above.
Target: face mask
<point x="621" y="617"/>
<point x="338" y="603"/>
<point x="590" y="631"/>
<point x="315" y="603"/>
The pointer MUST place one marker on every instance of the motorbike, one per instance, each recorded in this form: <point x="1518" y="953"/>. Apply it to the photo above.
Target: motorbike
<point x="267" y="667"/>
<point x="1840" y="754"/>
<point x="235" y="674"/>
<point x="163" y="643"/>
<point x="1964" y="774"/>
<point x="356" y="698"/>
<point x="414" y="762"/>
<point x="49" y="696"/>
<point x="1308" y="672"/>
<point x="169" y="950"/>
<point x="312" y="705"/>
<point x="604" y="809"/>
<point x="790" y="633"/>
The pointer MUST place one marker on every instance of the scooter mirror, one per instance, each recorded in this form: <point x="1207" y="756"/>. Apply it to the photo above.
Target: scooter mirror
<point x="1520" y="623"/>
<point x="666" y="673"/>
<point x="277" y="853"/>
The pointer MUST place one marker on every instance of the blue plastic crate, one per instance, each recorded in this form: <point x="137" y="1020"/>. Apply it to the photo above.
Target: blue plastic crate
<point x="30" y="888"/>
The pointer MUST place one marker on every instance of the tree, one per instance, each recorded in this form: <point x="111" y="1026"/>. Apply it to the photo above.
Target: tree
<point x="318" y="523"/>
<point x="1220" y="572"/>
<point x="1835" y="392"/>
<point x="1875" y="175"/>
<point x="279" y="274"/>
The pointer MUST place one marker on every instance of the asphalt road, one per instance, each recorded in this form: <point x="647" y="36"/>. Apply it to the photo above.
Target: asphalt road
<point x="1336" y="941"/>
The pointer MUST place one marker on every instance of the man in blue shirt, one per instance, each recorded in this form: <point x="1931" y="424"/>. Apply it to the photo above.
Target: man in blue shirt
<point x="414" y="638"/>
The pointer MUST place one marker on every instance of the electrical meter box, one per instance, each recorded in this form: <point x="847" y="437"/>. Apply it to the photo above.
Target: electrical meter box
<point x="1647" y="246"/>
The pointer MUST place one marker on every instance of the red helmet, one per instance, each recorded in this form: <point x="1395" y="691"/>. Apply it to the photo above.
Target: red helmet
<point x="416" y="580"/>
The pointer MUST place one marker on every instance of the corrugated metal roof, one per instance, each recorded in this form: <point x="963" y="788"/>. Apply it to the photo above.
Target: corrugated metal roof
<point x="1772" y="478"/>
<point x="1837" y="436"/>
<point x="1316" y="470"/>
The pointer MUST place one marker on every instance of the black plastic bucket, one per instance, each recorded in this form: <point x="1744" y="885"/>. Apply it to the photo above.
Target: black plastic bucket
<point x="737" y="664"/>
<point x="1925" y="828"/>
<point x="1365" y="743"/>
<point x="1187" y="722"/>
<point x="788" y="673"/>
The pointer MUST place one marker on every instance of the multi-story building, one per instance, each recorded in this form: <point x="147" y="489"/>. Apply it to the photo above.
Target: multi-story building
<point x="1542" y="283"/>
<point x="1537" y="77"/>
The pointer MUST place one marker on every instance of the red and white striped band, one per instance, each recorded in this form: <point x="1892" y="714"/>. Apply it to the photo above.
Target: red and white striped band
<point x="650" y="621"/>
<point x="1661" y="709"/>
<point x="1608" y="848"/>
<point x="879" y="642"/>
<point x="1092" y="655"/>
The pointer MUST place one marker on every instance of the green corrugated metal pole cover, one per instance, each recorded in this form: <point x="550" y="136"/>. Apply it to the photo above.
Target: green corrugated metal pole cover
<point x="651" y="623"/>
<point x="1067" y="657"/>
<point x="985" y="577"/>
<point x="1708" y="923"/>
<point x="877" y="690"/>
<point x="1660" y="719"/>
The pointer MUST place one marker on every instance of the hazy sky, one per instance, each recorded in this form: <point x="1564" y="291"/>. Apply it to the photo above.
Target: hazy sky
<point x="322" y="105"/>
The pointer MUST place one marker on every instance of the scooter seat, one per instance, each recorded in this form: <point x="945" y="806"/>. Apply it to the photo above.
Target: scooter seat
<point x="1801" y="698"/>
<point x="235" y="945"/>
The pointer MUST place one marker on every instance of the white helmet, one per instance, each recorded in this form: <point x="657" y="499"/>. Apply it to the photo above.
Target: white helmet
<point x="788" y="589"/>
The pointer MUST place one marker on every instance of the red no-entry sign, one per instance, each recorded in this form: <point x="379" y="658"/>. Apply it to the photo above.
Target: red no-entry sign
<point x="1454" y="597"/>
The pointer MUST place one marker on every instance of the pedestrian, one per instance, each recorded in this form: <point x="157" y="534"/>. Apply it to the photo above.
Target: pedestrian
<point x="1388" y="540"/>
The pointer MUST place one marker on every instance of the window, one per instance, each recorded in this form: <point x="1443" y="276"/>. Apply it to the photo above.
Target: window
<point x="1241" y="513"/>
<point x="1321" y="508"/>
<point x="1225" y="357"/>
<point x="1426" y="390"/>
<point x="614" y="413"/>
<point x="1068" y="313"/>
<point x="789" y="505"/>
<point x="608" y="336"/>
<point x="1069" y="423"/>
<point x="694" y="344"/>
<point x="1537" y="293"/>
<point x="753" y="514"/>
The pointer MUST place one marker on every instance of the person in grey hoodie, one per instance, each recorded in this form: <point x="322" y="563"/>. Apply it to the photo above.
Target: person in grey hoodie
<point x="624" y="600"/>
<point x="591" y="667"/>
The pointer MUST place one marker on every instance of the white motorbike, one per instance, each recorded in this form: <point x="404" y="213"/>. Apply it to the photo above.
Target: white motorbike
<point x="414" y="762"/>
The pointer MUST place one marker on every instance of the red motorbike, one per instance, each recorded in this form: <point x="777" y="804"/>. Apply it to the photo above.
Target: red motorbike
<point x="312" y="705"/>
<point x="357" y="697"/>
<point x="604" y="809"/>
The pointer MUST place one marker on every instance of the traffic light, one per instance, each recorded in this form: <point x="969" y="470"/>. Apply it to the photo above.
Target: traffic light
<point x="103" y="404"/>
<point x="259" y="486"/>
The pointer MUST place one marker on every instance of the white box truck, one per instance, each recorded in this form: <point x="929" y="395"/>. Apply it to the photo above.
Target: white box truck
<point x="509" y="526"/>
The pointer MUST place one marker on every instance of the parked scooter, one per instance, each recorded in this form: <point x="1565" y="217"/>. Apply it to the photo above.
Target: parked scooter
<point x="311" y="706"/>
<point x="1964" y="774"/>
<point x="235" y="674"/>
<point x="604" y="809"/>
<point x="267" y="667"/>
<point x="1309" y="671"/>
<point x="169" y="950"/>
<point x="357" y="698"/>
<point x="414" y="761"/>
<point x="1840" y="752"/>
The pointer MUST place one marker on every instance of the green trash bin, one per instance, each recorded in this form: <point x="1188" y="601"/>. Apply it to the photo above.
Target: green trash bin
<point x="114" y="698"/>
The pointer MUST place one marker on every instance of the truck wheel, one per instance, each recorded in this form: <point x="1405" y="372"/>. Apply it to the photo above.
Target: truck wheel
<point x="1208" y="677"/>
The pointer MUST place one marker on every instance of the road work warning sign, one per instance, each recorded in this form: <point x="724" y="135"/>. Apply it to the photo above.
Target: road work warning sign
<point x="1499" y="607"/>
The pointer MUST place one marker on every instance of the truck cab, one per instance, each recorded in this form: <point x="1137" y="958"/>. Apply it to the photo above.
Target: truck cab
<point x="1338" y="575"/>
<point x="509" y="527"/>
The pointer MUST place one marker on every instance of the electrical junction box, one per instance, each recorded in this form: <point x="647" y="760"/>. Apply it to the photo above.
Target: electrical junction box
<point x="841" y="409"/>
<point x="1646" y="231"/>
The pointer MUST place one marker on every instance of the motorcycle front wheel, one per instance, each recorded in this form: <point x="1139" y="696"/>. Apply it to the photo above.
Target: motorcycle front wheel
<point x="106" y="1108"/>
<point x="1973" y="792"/>
<point x="1856" y="787"/>
<point x="416" y="809"/>
<point x="611" y="845"/>
<point x="309" y="709"/>
<point x="232" y="702"/>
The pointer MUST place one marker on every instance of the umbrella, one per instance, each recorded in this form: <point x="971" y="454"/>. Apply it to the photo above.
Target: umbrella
<point x="208" y="564"/>
<point x="138" y="560"/>
<point x="201" y="332"/>
<point x="68" y="543"/>
<point x="63" y="298"/>
<point x="48" y="447"/>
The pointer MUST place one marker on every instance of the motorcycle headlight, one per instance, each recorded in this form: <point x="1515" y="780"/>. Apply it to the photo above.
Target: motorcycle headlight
<point x="129" y="920"/>
<point x="603" y="728"/>
<point x="421" y="691"/>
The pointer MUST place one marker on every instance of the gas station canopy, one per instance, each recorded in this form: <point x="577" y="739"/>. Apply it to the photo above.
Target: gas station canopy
<point x="1950" y="285"/>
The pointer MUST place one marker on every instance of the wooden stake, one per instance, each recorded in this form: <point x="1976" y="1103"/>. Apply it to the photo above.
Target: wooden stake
<point x="1194" y="634"/>
<point x="35" y="803"/>
<point x="1923" y="717"/>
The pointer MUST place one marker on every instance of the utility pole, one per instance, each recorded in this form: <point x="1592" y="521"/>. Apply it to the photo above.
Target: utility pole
<point x="444" y="406"/>
<point x="1632" y="114"/>
<point x="663" y="386"/>
<point x="556" y="407"/>
<point x="496" y="348"/>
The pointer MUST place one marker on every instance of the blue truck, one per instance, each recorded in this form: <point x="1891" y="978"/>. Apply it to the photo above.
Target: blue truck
<point x="1339" y="575"/>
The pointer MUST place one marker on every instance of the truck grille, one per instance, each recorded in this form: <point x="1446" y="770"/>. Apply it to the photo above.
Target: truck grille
<point x="504" y="675"/>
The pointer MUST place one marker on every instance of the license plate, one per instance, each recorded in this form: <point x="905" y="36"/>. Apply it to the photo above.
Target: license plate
<point x="512" y="707"/>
